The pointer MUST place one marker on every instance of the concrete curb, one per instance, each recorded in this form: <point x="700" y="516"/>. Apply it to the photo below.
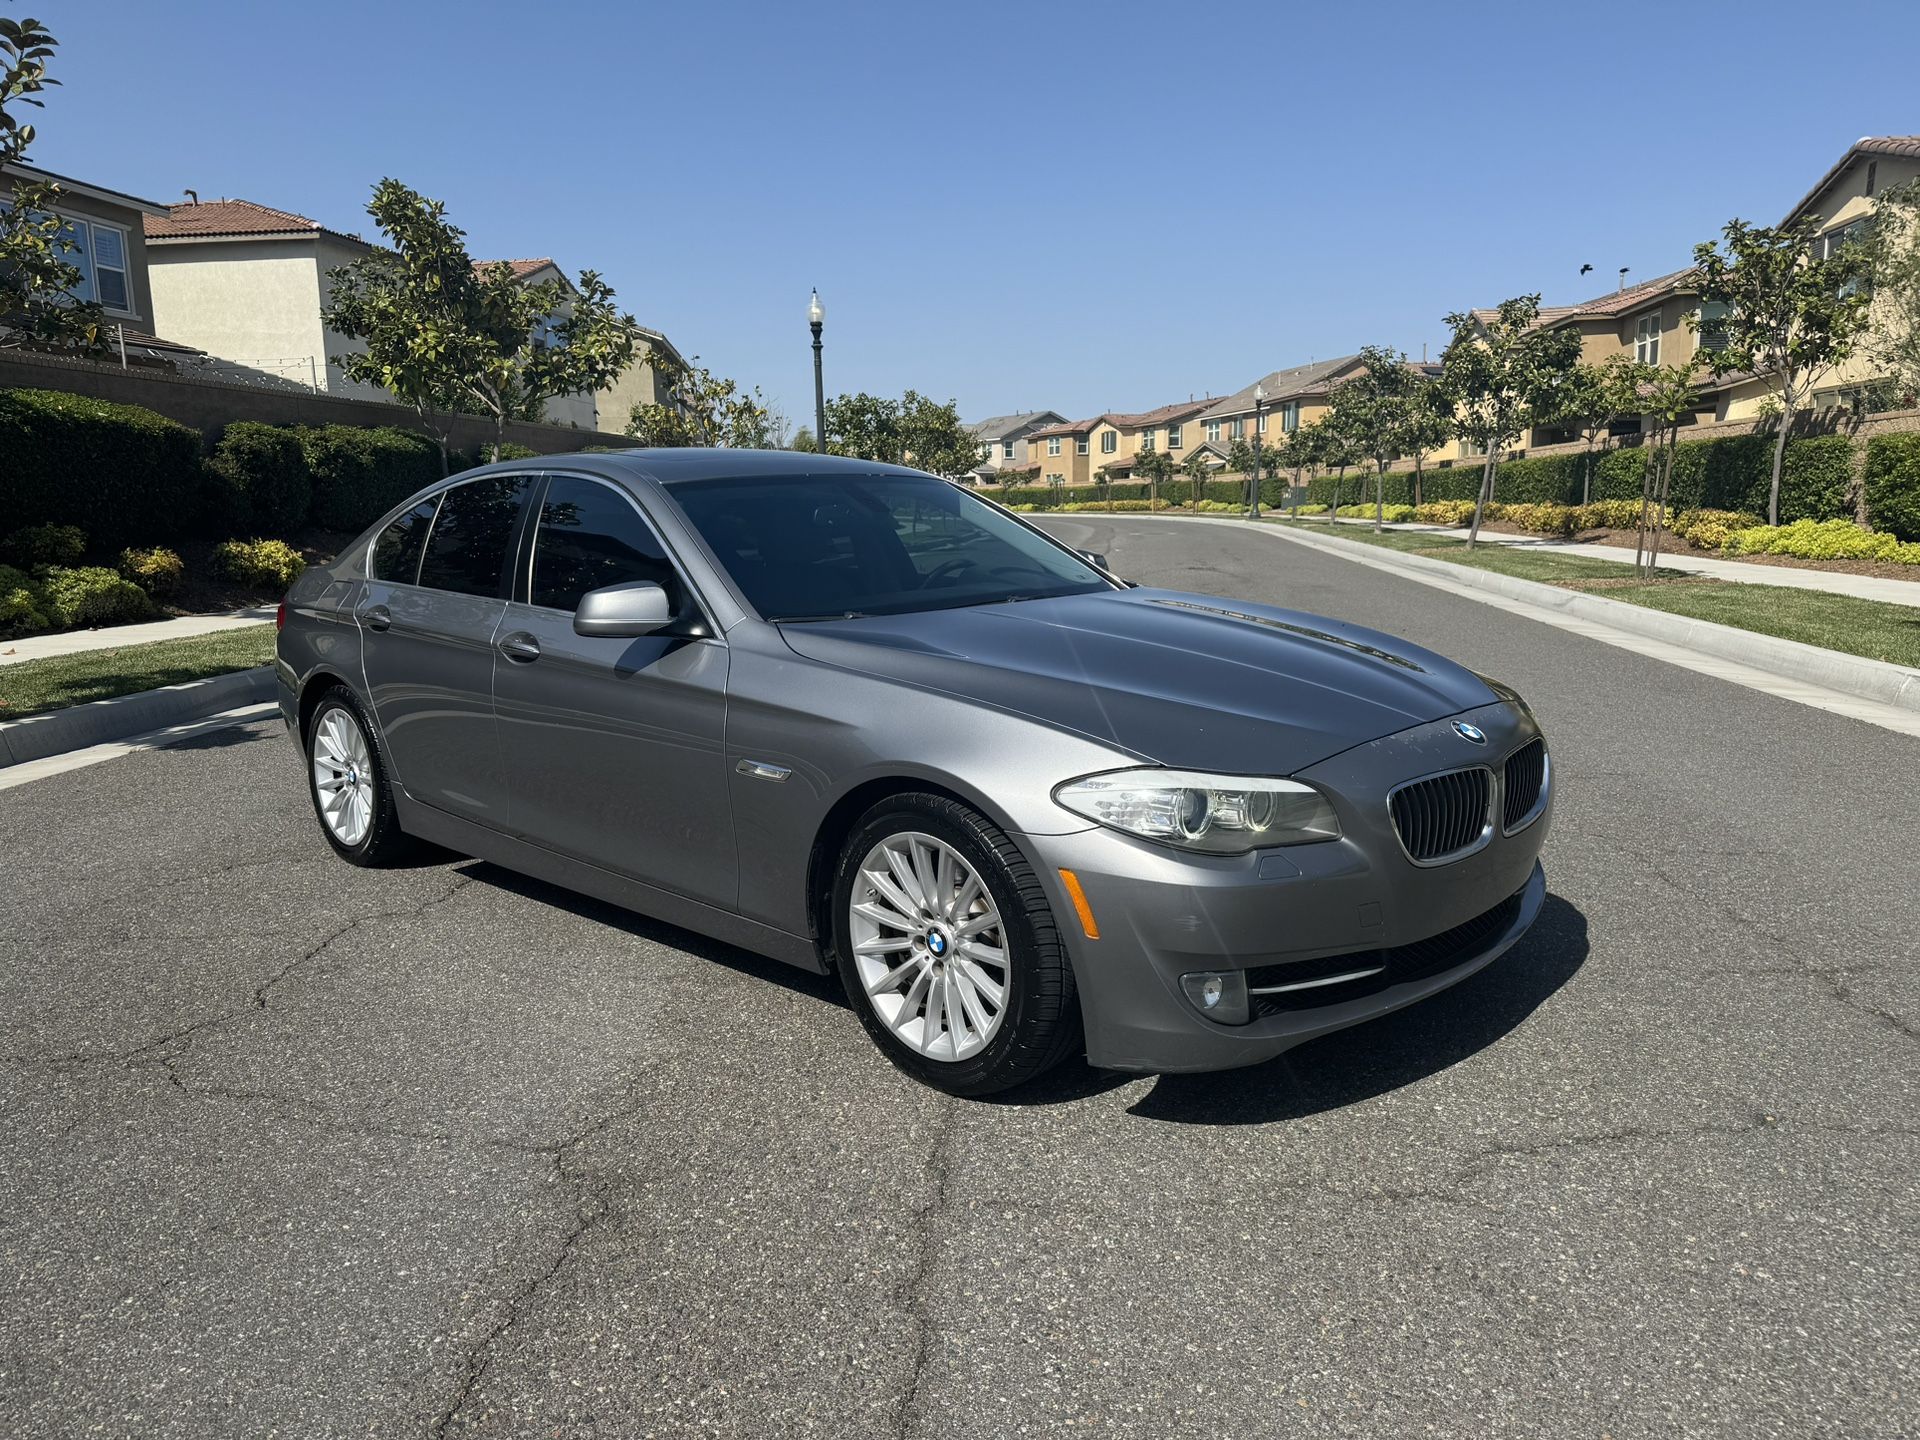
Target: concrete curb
<point x="100" y="721"/>
<point x="1876" y="680"/>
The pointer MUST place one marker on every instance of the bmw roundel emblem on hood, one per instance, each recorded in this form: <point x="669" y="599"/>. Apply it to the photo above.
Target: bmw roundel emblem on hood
<point x="1470" y="732"/>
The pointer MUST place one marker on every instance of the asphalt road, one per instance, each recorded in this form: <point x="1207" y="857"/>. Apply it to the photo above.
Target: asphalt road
<point x="289" y="1148"/>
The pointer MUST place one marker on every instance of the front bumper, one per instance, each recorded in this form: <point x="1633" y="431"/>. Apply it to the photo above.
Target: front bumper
<point x="1162" y="913"/>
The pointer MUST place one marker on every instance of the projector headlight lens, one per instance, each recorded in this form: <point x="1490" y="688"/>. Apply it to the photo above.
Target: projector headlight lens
<point x="1217" y="814"/>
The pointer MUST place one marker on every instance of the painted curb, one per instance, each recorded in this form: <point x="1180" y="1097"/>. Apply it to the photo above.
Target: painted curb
<point x="101" y="721"/>
<point x="1876" y="680"/>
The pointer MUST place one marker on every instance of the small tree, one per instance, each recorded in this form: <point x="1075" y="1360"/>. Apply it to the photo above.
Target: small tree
<point x="1891" y="254"/>
<point x="1669" y="395"/>
<point x="1305" y="451"/>
<point x="1788" y="314"/>
<point x="1374" y="410"/>
<point x="1595" y="398"/>
<point x="803" y="440"/>
<point x="1196" y="469"/>
<point x="1429" y="425"/>
<point x="1157" y="466"/>
<point x="442" y="335"/>
<point x="38" y="285"/>
<point x="1502" y="377"/>
<point x="1339" y="448"/>
<point x="911" y="430"/>
<point x="702" y="409"/>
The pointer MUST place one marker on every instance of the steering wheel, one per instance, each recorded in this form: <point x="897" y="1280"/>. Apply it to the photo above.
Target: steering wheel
<point x="946" y="568"/>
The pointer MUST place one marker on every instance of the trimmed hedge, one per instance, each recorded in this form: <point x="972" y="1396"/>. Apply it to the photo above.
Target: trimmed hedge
<point x="358" y="475"/>
<point x="44" y="545"/>
<point x="1893" y="484"/>
<point x="265" y="469"/>
<point x="122" y="474"/>
<point x="91" y="595"/>
<point x="21" y="612"/>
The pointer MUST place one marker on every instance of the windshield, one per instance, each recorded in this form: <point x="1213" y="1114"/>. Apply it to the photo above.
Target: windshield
<point x="823" y="547"/>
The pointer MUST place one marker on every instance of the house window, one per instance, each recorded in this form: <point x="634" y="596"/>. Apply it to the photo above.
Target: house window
<point x="1080" y="446"/>
<point x="1213" y="430"/>
<point x="1646" y="339"/>
<point x="99" y="253"/>
<point x="1146" y="440"/>
<point x="1713" y="325"/>
<point x="1053" y="445"/>
<point x="1006" y="449"/>
<point x="1173" y="436"/>
<point x="1262" y="426"/>
<point x="1290" y="416"/>
<point x="1238" y="428"/>
<point x="1873" y="173"/>
<point x="1109" y="441"/>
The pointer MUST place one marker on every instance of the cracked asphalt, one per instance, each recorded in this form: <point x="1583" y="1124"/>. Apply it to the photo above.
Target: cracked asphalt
<point x="288" y="1148"/>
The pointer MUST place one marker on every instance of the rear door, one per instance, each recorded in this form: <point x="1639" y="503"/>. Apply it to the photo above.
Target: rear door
<point x="615" y="748"/>
<point x="428" y="620"/>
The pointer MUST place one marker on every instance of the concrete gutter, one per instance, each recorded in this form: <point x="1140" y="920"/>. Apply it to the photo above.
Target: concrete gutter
<point x="36" y="737"/>
<point x="1875" y="680"/>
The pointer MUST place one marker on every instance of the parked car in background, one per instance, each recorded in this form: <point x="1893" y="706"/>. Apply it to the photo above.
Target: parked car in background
<point x="858" y="719"/>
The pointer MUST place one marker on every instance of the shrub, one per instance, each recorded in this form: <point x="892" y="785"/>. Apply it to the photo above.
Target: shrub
<point x="118" y="472"/>
<point x="1119" y="507"/>
<point x="1822" y="540"/>
<point x="1444" y="512"/>
<point x="1893" y="484"/>
<point x="1313" y="509"/>
<point x="156" y="571"/>
<point x="265" y="469"/>
<point x="1393" y="514"/>
<point x="1540" y="519"/>
<point x="270" y="564"/>
<point x="92" y="595"/>
<point x="358" y="475"/>
<point x="1607" y="515"/>
<point x="44" y="545"/>
<point x="21" y="612"/>
<point x="1709" y="529"/>
<point x="509" y="451"/>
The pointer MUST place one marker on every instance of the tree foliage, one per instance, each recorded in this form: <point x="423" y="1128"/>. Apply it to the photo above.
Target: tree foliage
<point x="38" y="284"/>
<point x="443" y="335"/>
<point x="913" y="430"/>
<point x="1596" y="397"/>
<point x="702" y="408"/>
<point x="1501" y="377"/>
<point x="1791" y="314"/>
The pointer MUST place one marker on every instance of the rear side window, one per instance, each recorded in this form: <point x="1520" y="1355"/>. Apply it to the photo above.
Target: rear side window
<point x="467" y="547"/>
<point x="396" y="553"/>
<point x="590" y="536"/>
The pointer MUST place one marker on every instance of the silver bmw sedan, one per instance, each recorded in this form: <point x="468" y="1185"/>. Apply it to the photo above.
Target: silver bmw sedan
<point x="858" y="719"/>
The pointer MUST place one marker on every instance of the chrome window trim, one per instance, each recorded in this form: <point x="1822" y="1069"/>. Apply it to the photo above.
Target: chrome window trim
<point x="1488" y="825"/>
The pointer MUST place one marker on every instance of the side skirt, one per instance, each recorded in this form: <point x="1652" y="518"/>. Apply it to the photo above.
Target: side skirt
<point x="523" y="856"/>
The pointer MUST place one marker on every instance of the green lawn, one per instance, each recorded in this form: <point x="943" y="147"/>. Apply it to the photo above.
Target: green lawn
<point x="1871" y="628"/>
<point x="35" y="685"/>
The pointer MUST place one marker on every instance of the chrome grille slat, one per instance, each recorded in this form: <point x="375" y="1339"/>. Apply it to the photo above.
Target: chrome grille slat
<point x="1524" y="784"/>
<point x="1444" y="816"/>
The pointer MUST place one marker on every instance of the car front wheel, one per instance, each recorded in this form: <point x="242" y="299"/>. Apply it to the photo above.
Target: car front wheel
<point x="948" y="949"/>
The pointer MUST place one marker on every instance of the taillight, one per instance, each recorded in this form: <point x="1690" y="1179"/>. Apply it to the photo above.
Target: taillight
<point x="280" y="617"/>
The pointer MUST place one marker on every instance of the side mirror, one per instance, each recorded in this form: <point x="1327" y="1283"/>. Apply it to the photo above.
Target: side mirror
<point x="1099" y="562"/>
<point x="623" y="612"/>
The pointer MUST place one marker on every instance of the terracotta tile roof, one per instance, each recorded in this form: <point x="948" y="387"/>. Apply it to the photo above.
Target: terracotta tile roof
<point x="1620" y="302"/>
<point x="1070" y="427"/>
<point x="1166" y="415"/>
<point x="521" y="268"/>
<point x="1905" y="146"/>
<point x="234" y="218"/>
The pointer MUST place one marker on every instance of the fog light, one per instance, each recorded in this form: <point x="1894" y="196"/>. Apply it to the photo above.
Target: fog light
<point x="1218" y="994"/>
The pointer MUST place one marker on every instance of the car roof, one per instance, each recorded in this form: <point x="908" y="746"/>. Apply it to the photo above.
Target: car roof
<point x="679" y="466"/>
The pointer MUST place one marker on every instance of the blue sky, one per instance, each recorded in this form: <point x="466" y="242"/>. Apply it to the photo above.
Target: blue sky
<point x="1076" y="207"/>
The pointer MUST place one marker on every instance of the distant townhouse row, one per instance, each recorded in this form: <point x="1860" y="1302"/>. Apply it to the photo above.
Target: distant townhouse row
<point x="1658" y="321"/>
<point x="236" y="290"/>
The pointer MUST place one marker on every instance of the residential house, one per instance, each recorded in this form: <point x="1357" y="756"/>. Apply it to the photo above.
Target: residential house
<point x="641" y="383"/>
<point x="1063" y="451"/>
<point x="1296" y="396"/>
<point x="1117" y="439"/>
<point x="107" y="231"/>
<point x="1004" y="442"/>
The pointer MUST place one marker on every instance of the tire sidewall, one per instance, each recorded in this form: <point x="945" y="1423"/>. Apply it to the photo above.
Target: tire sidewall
<point x="343" y="700"/>
<point x="981" y="1072"/>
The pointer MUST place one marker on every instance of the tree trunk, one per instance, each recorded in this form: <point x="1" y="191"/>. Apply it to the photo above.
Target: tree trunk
<point x="1779" y="457"/>
<point x="1660" y="510"/>
<point x="1416" y="481"/>
<point x="1586" y="480"/>
<point x="1485" y="498"/>
<point x="1646" y="506"/>
<point x="1379" y="495"/>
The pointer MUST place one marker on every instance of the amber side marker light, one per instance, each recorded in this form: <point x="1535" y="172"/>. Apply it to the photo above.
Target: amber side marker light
<point x="1080" y="906"/>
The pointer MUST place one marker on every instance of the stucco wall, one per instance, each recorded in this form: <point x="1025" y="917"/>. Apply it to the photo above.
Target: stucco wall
<point x="254" y="303"/>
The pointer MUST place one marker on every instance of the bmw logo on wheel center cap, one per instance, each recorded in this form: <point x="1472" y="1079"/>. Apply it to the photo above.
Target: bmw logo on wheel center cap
<point x="936" y="943"/>
<point x="1470" y="732"/>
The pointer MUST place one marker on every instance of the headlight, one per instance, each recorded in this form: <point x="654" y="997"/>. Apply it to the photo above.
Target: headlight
<point x="1220" y="814"/>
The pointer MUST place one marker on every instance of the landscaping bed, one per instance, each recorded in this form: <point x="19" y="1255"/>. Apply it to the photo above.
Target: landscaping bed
<point x="33" y="686"/>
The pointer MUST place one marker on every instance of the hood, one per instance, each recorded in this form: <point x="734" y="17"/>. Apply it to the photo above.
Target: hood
<point x="1190" y="681"/>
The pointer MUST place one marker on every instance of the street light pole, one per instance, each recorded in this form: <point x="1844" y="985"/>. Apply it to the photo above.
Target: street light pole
<point x="1253" y="480"/>
<point x="816" y="317"/>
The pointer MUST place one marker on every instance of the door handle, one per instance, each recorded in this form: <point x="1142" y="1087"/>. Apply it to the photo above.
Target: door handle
<point x="520" y="646"/>
<point x="376" y="617"/>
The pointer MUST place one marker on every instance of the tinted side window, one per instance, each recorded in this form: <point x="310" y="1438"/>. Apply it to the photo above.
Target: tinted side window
<point x="396" y="553"/>
<point x="467" y="549"/>
<point x="592" y="536"/>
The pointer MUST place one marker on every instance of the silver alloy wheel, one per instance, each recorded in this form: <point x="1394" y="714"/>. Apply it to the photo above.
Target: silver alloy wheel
<point x="343" y="776"/>
<point x="929" y="946"/>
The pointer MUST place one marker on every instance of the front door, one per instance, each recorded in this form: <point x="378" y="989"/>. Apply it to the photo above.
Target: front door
<point x="428" y="620"/>
<point x="615" y="748"/>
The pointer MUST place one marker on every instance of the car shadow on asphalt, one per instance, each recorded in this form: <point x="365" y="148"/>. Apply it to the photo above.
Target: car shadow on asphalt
<point x="1349" y="1066"/>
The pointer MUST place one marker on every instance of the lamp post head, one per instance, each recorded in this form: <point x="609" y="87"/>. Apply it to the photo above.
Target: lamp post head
<point x="1259" y="394"/>
<point x="816" y="312"/>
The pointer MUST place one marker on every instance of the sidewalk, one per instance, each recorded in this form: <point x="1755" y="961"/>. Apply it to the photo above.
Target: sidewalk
<point x="1834" y="582"/>
<point x="73" y="642"/>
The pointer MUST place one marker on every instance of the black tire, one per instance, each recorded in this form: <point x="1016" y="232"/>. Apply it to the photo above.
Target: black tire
<point x="1041" y="1024"/>
<point x="384" y="841"/>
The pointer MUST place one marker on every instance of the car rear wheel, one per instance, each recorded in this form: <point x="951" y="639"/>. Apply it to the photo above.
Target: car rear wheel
<point x="948" y="949"/>
<point x="347" y="779"/>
